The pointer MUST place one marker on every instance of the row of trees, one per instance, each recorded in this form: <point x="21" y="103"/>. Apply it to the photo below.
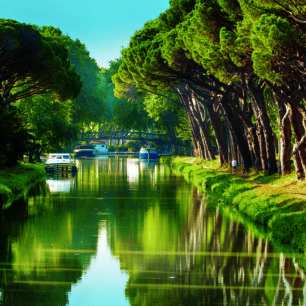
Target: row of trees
<point x="51" y="89"/>
<point x="235" y="67"/>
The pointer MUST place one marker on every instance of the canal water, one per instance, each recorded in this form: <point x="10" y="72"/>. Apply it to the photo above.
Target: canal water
<point x="125" y="231"/>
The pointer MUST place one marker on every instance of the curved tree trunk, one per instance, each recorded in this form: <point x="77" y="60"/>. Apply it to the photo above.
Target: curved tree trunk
<point x="297" y="115"/>
<point x="217" y="127"/>
<point x="260" y="111"/>
<point x="299" y="148"/>
<point x="195" y="131"/>
<point x="199" y="113"/>
<point x="254" y="145"/>
<point x="285" y="137"/>
<point x="237" y="128"/>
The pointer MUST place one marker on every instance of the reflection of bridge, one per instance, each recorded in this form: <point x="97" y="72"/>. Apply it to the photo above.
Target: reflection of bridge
<point x="142" y="136"/>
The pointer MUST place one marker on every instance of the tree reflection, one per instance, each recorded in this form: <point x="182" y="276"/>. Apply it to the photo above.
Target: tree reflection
<point x="202" y="258"/>
<point x="38" y="239"/>
<point x="177" y="247"/>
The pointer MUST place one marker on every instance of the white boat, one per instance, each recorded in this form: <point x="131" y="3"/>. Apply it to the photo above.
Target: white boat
<point x="101" y="148"/>
<point x="84" y="151"/>
<point x="62" y="162"/>
<point x="148" y="153"/>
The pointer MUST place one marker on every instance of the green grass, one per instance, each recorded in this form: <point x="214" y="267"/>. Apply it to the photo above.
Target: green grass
<point x="272" y="202"/>
<point x="14" y="181"/>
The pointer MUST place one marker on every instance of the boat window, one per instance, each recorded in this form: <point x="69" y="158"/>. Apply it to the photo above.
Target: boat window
<point x="66" y="157"/>
<point x="59" y="157"/>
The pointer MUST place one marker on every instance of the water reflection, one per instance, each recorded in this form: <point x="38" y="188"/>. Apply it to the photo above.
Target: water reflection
<point x="61" y="183"/>
<point x="125" y="231"/>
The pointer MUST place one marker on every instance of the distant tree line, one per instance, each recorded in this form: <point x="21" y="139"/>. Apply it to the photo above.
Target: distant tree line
<point x="138" y="112"/>
<point x="236" y="68"/>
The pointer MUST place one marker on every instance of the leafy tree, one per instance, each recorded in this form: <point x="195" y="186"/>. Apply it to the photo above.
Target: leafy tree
<point x="89" y="105"/>
<point x="125" y="112"/>
<point x="169" y="118"/>
<point x="31" y="64"/>
<point x="13" y="138"/>
<point x="49" y="123"/>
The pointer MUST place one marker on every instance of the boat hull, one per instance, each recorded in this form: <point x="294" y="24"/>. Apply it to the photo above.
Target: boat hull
<point x="146" y="153"/>
<point x="148" y="156"/>
<point x="84" y="153"/>
<point x="61" y="168"/>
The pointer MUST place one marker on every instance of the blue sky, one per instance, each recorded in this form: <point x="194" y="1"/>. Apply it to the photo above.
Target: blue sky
<point x="104" y="26"/>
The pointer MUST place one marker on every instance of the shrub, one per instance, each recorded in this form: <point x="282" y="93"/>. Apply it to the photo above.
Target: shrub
<point x="121" y="148"/>
<point x="290" y="229"/>
<point x="111" y="148"/>
<point x="133" y="145"/>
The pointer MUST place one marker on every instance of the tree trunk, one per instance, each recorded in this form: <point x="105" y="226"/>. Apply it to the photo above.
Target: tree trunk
<point x="260" y="111"/>
<point x="217" y="127"/>
<point x="254" y="146"/>
<point x="201" y="118"/>
<point x="291" y="97"/>
<point x="263" y="149"/>
<point x="237" y="128"/>
<point x="201" y="135"/>
<point x="31" y="155"/>
<point x="197" y="141"/>
<point x="285" y="137"/>
<point x="299" y="149"/>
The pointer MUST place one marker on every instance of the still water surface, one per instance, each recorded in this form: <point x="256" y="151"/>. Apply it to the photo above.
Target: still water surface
<point x="129" y="232"/>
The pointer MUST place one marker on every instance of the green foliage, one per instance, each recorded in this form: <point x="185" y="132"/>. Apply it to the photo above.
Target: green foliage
<point x="13" y="137"/>
<point x="126" y="112"/>
<point x="121" y="148"/>
<point x="49" y="122"/>
<point x="111" y="148"/>
<point x="168" y="117"/>
<point x="16" y="180"/>
<point x="89" y="105"/>
<point x="33" y="64"/>
<point x="133" y="146"/>
<point x="290" y="228"/>
<point x="268" y="36"/>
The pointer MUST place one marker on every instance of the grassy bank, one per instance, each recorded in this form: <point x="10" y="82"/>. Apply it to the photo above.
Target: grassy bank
<point x="276" y="203"/>
<point x="15" y="181"/>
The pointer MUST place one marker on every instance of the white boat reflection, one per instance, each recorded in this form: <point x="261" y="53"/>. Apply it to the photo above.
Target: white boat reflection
<point x="132" y="170"/>
<point x="63" y="184"/>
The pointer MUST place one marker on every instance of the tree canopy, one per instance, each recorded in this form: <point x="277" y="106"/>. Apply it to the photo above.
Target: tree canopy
<point x="88" y="106"/>
<point x="32" y="64"/>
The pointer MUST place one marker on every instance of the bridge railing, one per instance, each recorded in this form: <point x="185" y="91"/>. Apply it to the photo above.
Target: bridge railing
<point x="106" y="135"/>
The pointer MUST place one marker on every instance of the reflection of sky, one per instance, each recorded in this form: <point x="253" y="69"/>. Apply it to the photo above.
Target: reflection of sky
<point x="103" y="276"/>
<point x="132" y="169"/>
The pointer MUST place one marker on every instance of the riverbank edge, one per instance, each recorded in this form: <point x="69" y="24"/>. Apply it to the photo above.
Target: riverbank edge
<point x="17" y="180"/>
<point x="283" y="215"/>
